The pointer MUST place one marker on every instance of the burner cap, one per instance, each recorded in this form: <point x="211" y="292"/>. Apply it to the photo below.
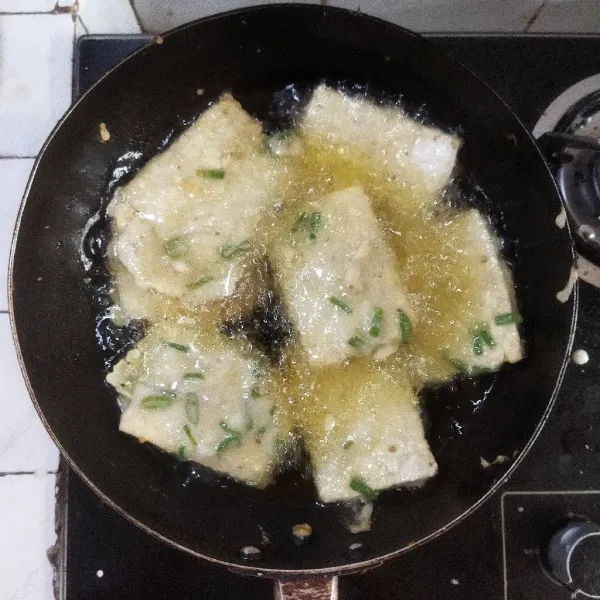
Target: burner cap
<point x="578" y="171"/>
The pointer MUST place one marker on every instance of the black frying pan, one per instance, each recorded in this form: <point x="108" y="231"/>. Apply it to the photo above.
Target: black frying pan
<point x="255" y="52"/>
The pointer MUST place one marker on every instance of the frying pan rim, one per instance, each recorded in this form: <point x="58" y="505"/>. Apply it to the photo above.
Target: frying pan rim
<point x="257" y="570"/>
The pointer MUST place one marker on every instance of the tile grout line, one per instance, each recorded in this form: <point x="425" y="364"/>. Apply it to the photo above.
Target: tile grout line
<point x="15" y="157"/>
<point x="85" y="29"/>
<point x="35" y="473"/>
<point x="136" y="15"/>
<point x="534" y="17"/>
<point x="24" y="13"/>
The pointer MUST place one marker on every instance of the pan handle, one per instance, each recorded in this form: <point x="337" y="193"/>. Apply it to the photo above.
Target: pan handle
<point x="307" y="589"/>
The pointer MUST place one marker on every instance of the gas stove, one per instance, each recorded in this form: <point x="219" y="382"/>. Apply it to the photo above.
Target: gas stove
<point x="538" y="538"/>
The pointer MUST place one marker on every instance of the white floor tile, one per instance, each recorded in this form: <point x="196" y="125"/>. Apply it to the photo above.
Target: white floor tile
<point x="26" y="6"/>
<point x="158" y="16"/>
<point x="26" y="531"/>
<point x="450" y="15"/>
<point x="420" y="15"/>
<point x="568" y="16"/>
<point x="35" y="79"/>
<point x="14" y="173"/>
<point x="108" y="16"/>
<point x="24" y="443"/>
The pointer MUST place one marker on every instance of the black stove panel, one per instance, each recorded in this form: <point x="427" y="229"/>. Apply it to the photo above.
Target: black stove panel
<point x="498" y="553"/>
<point x="529" y="519"/>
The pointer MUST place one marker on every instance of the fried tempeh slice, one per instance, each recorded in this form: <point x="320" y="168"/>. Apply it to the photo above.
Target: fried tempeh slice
<point x="339" y="283"/>
<point x="189" y="390"/>
<point x="417" y="155"/>
<point x="184" y="224"/>
<point x="363" y="431"/>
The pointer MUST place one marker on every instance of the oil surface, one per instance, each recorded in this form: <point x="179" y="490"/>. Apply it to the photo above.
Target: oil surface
<point x="430" y="259"/>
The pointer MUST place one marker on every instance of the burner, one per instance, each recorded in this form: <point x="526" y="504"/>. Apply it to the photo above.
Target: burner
<point x="569" y="133"/>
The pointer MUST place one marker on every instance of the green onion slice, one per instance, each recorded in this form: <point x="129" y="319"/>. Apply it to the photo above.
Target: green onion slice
<point x="463" y="367"/>
<point x="340" y="304"/>
<point x="211" y="173"/>
<point x="376" y="322"/>
<point x="367" y="492"/>
<point x="156" y="402"/>
<point x="193" y="375"/>
<point x="181" y="454"/>
<point x="260" y="432"/>
<point x="347" y="444"/>
<point x="179" y="347"/>
<point x="513" y="318"/>
<point x="228" y="441"/>
<point x="454" y="362"/>
<point x="175" y="247"/>
<point x="249" y="422"/>
<point x="482" y="331"/>
<point x="188" y="432"/>
<point x="477" y="345"/>
<point x="309" y="222"/>
<point x="405" y="327"/>
<point x="194" y="285"/>
<point x="192" y="408"/>
<point x="229" y="251"/>
<point x="265" y="144"/>
<point x="254" y="393"/>
<point x="233" y="437"/>
<point x="356" y="342"/>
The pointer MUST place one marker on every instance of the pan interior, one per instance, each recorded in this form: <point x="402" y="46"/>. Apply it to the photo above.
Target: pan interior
<point x="255" y="53"/>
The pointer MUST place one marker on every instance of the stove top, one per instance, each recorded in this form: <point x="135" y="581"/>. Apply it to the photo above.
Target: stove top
<point x="542" y="521"/>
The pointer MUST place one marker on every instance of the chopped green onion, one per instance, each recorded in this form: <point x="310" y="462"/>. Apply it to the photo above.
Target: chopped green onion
<point x="156" y="402"/>
<point x="265" y="144"/>
<point x="200" y="282"/>
<point x="223" y="425"/>
<point x="254" y="393"/>
<point x="192" y="408"/>
<point x="231" y="250"/>
<point x="260" y="432"/>
<point x="175" y="247"/>
<point x="458" y="364"/>
<point x="405" y="326"/>
<point x="249" y="422"/>
<point x="179" y="347"/>
<point x="193" y="375"/>
<point x="347" y="444"/>
<point x="257" y="371"/>
<point x="272" y="410"/>
<point x="477" y="345"/>
<point x="340" y="304"/>
<point x="463" y="367"/>
<point x="283" y="136"/>
<point x="356" y="342"/>
<point x="228" y="441"/>
<point x="188" y="432"/>
<point x="513" y="318"/>
<point x="309" y="222"/>
<point x="367" y="492"/>
<point x="482" y="331"/>
<point x="181" y="454"/>
<point x="211" y="173"/>
<point x="376" y="322"/>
